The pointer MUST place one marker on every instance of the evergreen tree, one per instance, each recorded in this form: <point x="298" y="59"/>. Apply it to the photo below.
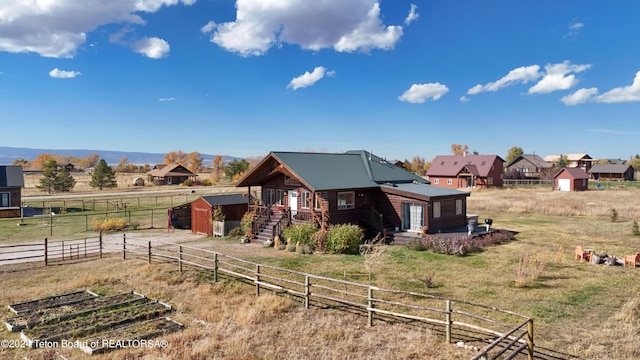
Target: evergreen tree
<point x="63" y="181"/>
<point x="49" y="173"/>
<point x="103" y="176"/>
<point x="235" y="167"/>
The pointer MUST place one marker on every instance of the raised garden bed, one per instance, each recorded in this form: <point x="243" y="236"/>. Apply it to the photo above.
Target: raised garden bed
<point x="85" y="320"/>
<point x="58" y="313"/>
<point x="52" y="301"/>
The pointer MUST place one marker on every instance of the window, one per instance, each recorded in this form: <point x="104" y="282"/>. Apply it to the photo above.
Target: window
<point x="449" y="181"/>
<point x="483" y="163"/>
<point x="4" y="200"/>
<point x="455" y="163"/>
<point x="307" y="197"/>
<point x="271" y="196"/>
<point x="279" y="197"/>
<point x="346" y="200"/>
<point x="436" y="209"/>
<point x="458" y="206"/>
<point x="436" y="181"/>
<point x="490" y="180"/>
<point x="319" y="197"/>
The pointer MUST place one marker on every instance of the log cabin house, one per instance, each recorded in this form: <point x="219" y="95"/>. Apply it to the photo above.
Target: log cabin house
<point x="355" y="187"/>
<point x="11" y="184"/>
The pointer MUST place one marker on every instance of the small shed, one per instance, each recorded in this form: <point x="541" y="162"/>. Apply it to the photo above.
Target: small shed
<point x="571" y="179"/>
<point x="234" y="206"/>
<point x="612" y="172"/>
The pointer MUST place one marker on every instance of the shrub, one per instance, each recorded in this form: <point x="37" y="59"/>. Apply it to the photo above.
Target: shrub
<point x="635" y="230"/>
<point x="344" y="239"/>
<point x="529" y="267"/>
<point x="302" y="233"/>
<point x="187" y="182"/>
<point x="320" y="240"/>
<point x="109" y="224"/>
<point x="205" y="182"/>
<point x="417" y="244"/>
<point x="453" y="245"/>
<point x="614" y="215"/>
<point x="236" y="232"/>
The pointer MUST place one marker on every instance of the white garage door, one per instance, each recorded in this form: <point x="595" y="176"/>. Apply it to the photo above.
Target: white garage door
<point x="564" y="184"/>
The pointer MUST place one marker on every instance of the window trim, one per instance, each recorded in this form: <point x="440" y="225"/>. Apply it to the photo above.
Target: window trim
<point x="437" y="210"/>
<point x="306" y="199"/>
<point x="3" y="196"/>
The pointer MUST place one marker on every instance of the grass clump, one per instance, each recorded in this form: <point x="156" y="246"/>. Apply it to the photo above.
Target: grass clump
<point x="530" y="267"/>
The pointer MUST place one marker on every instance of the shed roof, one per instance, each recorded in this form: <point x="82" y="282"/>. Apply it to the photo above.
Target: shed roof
<point x="225" y="199"/>
<point x="11" y="176"/>
<point x="452" y="165"/>
<point x="575" y="173"/>
<point x="329" y="171"/>
<point x="534" y="159"/>
<point x="609" y="168"/>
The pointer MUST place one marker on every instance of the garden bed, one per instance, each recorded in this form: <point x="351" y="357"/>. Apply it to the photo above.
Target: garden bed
<point x="63" y="312"/>
<point x="92" y="323"/>
<point x="52" y="301"/>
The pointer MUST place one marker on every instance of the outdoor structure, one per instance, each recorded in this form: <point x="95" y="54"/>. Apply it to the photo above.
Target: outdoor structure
<point x="530" y="166"/>
<point x="571" y="179"/>
<point x="581" y="161"/>
<point x="11" y="184"/>
<point x="466" y="171"/>
<point x="354" y="187"/>
<point x="611" y="172"/>
<point x="168" y="174"/>
<point x="233" y="206"/>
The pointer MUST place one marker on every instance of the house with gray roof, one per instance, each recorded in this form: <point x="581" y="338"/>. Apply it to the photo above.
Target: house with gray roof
<point x="355" y="187"/>
<point x="466" y="171"/>
<point x="612" y="172"/>
<point x="11" y="184"/>
<point x="530" y="166"/>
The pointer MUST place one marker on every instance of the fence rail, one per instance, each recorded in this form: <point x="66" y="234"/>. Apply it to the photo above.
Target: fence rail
<point x="506" y="334"/>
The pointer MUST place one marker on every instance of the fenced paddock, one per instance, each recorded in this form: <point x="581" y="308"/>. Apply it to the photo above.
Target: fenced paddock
<point x="494" y="333"/>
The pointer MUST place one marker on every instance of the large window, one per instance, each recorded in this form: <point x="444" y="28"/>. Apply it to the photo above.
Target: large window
<point x="4" y="200"/>
<point x="275" y="197"/>
<point x="346" y="200"/>
<point x="436" y="209"/>
<point x="279" y="197"/>
<point x="307" y="197"/>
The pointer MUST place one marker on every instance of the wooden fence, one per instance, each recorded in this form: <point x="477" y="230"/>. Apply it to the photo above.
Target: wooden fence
<point x="503" y="334"/>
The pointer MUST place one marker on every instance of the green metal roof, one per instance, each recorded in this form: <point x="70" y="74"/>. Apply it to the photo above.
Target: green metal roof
<point x="423" y="190"/>
<point x="351" y="170"/>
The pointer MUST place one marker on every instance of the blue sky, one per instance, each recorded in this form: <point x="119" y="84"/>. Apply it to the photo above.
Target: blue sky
<point x="399" y="78"/>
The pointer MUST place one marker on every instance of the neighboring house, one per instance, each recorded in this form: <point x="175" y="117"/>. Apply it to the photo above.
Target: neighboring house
<point x="11" y="184"/>
<point x="530" y="166"/>
<point x="582" y="161"/>
<point x="355" y="187"/>
<point x="609" y="172"/>
<point x="234" y="206"/>
<point x="571" y="179"/>
<point x="466" y="171"/>
<point x="169" y="174"/>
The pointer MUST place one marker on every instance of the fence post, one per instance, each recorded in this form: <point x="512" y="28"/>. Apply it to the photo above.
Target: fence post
<point x="448" y="320"/>
<point x="257" y="280"/>
<point x="62" y="250"/>
<point x="530" y="339"/>
<point x="85" y="247"/>
<point x="307" y="291"/>
<point x="100" y="243"/>
<point x="149" y="251"/>
<point x="370" y="306"/>
<point x="180" y="257"/>
<point x="124" y="246"/>
<point x="46" y="252"/>
<point x="152" y="213"/>
<point x="215" y="267"/>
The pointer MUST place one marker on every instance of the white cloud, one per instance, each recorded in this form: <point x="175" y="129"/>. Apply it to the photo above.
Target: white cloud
<point x="464" y="99"/>
<point x="629" y="93"/>
<point x="413" y="15"/>
<point x="523" y="75"/>
<point x="57" y="28"/>
<point x="579" y="96"/>
<point x="309" y="78"/>
<point x="558" y="77"/>
<point x="344" y="25"/>
<point x="576" y="26"/>
<point x="419" y="93"/>
<point x="166" y="99"/>
<point x="154" y="48"/>
<point x="62" y="74"/>
<point x="208" y="27"/>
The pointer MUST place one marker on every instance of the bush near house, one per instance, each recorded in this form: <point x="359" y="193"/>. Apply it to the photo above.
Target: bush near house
<point x="344" y="239"/>
<point x="299" y="233"/>
<point x="459" y="245"/>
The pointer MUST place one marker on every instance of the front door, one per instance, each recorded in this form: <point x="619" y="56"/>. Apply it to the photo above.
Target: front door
<point x="293" y="202"/>
<point x="412" y="216"/>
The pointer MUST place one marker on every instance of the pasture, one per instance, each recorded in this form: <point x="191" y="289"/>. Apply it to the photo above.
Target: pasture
<point x="579" y="309"/>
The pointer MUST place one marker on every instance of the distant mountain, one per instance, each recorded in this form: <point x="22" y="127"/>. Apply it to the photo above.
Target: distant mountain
<point x="9" y="154"/>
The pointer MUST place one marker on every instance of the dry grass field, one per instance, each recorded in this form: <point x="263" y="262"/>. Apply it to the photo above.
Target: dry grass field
<point x="583" y="310"/>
